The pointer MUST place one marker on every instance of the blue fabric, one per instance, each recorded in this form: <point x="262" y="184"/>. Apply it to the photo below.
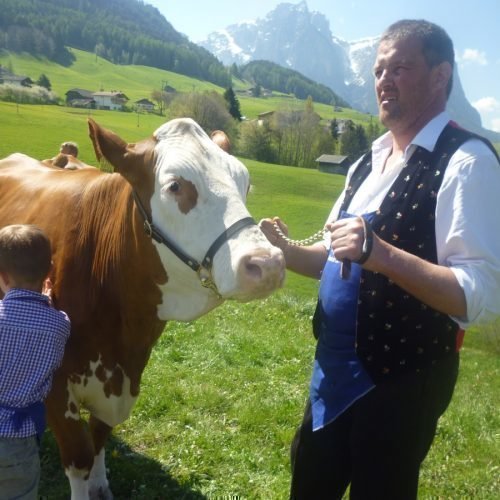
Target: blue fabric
<point x="338" y="378"/>
<point x="32" y="340"/>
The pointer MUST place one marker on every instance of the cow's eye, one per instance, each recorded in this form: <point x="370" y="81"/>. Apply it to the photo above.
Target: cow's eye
<point x="174" y="187"/>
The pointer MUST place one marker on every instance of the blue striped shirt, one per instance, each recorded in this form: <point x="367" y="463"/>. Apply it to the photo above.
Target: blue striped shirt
<point x="32" y="340"/>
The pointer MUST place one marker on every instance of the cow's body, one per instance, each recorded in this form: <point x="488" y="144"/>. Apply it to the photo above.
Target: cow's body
<point x="117" y="285"/>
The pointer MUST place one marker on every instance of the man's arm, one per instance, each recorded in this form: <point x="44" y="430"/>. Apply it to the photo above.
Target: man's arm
<point x="432" y="284"/>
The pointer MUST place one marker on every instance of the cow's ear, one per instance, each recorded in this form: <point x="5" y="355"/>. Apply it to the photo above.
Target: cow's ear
<point x="107" y="145"/>
<point x="127" y="159"/>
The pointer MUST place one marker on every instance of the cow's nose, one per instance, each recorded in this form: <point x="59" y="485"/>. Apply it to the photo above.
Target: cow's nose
<point x="261" y="272"/>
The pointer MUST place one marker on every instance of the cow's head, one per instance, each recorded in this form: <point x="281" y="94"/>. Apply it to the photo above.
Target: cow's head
<point x="194" y="191"/>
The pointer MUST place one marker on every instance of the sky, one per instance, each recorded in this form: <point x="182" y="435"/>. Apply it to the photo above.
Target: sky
<point x="473" y="25"/>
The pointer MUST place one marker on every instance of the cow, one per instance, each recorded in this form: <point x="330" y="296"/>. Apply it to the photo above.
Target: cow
<point x="165" y="236"/>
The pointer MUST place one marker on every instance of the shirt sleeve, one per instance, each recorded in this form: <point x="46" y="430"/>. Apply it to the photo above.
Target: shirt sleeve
<point x="467" y="237"/>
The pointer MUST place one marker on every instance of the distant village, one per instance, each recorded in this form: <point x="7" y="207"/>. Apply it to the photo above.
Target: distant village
<point x="117" y="101"/>
<point x="81" y="98"/>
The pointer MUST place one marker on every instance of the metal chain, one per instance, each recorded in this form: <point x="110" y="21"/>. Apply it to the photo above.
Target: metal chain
<point x="318" y="235"/>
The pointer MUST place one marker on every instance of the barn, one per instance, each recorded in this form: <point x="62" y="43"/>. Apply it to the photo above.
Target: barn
<point x="333" y="164"/>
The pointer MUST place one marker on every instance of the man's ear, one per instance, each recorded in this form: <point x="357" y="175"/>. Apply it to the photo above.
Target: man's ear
<point x="442" y="74"/>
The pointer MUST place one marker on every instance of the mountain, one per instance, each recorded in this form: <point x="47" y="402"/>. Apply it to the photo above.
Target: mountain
<point x="294" y="37"/>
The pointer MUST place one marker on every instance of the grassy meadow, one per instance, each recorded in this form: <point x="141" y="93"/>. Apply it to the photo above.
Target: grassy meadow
<point x="221" y="396"/>
<point x="137" y="82"/>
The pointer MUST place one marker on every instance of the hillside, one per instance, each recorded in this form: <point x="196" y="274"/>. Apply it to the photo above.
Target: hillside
<point x="272" y="76"/>
<point x="94" y="73"/>
<point x="122" y="31"/>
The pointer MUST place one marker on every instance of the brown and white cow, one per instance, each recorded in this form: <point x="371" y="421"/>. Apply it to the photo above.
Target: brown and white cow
<point x="118" y="285"/>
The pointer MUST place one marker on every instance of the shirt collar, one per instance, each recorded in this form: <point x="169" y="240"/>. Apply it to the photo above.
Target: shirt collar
<point x="22" y="293"/>
<point x="426" y="138"/>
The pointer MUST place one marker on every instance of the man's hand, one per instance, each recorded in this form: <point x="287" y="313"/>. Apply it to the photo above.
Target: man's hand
<point x="268" y="227"/>
<point x="351" y="239"/>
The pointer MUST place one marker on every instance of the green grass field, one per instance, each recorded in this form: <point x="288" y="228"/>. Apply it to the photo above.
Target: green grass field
<point x="94" y="73"/>
<point x="221" y="396"/>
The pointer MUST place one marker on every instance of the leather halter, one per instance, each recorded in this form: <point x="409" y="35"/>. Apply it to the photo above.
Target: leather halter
<point x="203" y="270"/>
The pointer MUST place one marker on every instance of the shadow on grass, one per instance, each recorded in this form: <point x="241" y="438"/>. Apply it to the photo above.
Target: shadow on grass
<point x="132" y="476"/>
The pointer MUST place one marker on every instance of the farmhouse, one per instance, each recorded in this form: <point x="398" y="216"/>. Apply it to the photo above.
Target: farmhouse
<point x="110" y="100"/>
<point x="80" y="98"/>
<point x="333" y="164"/>
<point x="6" y="77"/>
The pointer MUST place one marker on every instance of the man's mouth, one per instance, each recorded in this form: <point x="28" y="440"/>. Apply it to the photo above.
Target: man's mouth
<point x="386" y="99"/>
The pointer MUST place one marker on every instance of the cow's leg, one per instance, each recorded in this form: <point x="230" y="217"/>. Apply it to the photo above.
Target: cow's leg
<point x="77" y="453"/>
<point x="73" y="438"/>
<point x="98" y="481"/>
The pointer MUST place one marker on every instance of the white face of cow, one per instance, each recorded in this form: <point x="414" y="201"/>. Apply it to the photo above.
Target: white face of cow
<point x="199" y="192"/>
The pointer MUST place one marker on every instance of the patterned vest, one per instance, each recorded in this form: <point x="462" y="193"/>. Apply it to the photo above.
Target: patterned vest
<point x="396" y="333"/>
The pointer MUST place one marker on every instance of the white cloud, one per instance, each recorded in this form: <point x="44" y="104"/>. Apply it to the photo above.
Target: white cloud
<point x="473" y="56"/>
<point x="487" y="105"/>
<point x="495" y="124"/>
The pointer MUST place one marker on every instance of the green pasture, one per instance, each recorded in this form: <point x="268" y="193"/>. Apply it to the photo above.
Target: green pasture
<point x="137" y="82"/>
<point x="221" y="396"/>
<point x="95" y="73"/>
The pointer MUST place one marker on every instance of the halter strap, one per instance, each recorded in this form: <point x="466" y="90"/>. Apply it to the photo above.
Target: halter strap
<point x="153" y="232"/>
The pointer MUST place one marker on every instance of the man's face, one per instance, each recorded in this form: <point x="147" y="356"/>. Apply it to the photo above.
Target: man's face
<point x="405" y="86"/>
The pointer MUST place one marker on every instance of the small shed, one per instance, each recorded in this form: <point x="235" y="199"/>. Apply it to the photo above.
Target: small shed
<point x="144" y="105"/>
<point x="333" y="164"/>
<point x="264" y="117"/>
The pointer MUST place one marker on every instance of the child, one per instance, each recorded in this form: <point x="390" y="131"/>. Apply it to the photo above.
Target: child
<point x="32" y="340"/>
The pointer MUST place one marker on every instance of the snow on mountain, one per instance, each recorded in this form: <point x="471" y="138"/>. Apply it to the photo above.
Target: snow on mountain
<point x="299" y="39"/>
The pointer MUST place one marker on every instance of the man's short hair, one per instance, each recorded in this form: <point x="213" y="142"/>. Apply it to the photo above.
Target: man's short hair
<point x="437" y="46"/>
<point x="25" y="253"/>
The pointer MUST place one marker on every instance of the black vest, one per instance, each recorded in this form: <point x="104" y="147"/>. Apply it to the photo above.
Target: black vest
<point x="396" y="333"/>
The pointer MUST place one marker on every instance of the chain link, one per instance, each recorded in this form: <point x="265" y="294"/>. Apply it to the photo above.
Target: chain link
<point x="318" y="235"/>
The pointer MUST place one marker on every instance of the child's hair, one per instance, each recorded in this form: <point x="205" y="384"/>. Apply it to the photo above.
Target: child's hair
<point x="69" y="148"/>
<point x="25" y="253"/>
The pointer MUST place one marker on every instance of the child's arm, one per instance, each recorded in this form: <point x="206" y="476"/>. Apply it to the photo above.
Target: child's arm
<point x="47" y="290"/>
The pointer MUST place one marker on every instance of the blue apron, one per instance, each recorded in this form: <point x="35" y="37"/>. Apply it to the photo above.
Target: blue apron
<point x="338" y="378"/>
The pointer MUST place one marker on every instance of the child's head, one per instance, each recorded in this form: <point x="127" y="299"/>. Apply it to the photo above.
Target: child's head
<point x="69" y="148"/>
<point x="25" y="256"/>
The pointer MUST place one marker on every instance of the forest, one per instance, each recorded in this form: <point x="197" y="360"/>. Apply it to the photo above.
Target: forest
<point x="122" y="31"/>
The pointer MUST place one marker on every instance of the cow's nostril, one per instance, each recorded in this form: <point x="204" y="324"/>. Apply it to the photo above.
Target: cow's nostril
<point x="253" y="271"/>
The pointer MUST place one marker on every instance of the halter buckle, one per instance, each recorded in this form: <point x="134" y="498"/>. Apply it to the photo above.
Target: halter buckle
<point x="207" y="281"/>
<point x="148" y="229"/>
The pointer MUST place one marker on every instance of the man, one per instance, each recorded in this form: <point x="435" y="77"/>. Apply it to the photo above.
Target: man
<point x="410" y="261"/>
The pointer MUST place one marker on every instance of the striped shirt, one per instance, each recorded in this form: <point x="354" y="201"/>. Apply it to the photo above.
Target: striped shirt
<point x="32" y="340"/>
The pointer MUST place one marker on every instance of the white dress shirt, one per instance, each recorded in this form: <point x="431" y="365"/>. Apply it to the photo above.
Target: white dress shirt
<point x="467" y="214"/>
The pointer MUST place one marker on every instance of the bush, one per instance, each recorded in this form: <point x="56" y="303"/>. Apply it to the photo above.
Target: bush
<point x="27" y="95"/>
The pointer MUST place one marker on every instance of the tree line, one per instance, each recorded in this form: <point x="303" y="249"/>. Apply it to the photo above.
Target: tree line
<point x="289" y="137"/>
<point x="272" y="76"/>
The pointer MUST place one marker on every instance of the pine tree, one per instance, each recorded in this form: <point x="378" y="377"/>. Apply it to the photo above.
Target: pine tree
<point x="233" y="103"/>
<point x="43" y="81"/>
